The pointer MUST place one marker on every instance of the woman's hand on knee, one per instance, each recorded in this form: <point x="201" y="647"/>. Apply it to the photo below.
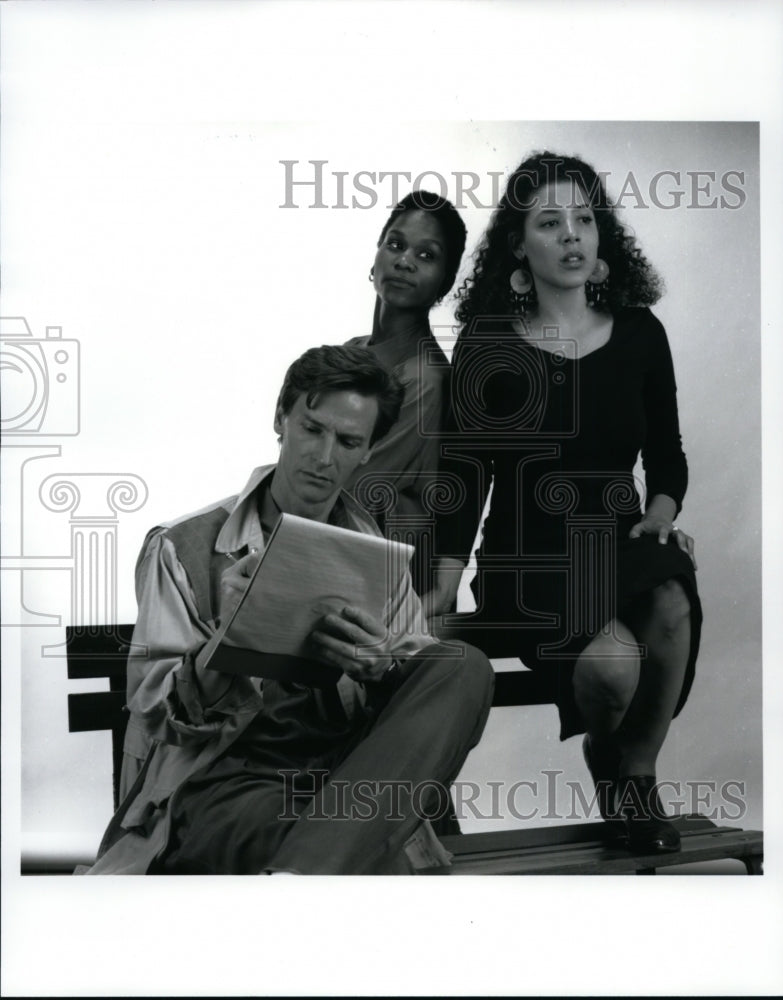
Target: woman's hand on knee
<point x="659" y="520"/>
<point x="665" y="530"/>
<point x="686" y="543"/>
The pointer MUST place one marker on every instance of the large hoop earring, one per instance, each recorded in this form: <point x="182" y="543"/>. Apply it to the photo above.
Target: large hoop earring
<point x="597" y="284"/>
<point x="521" y="282"/>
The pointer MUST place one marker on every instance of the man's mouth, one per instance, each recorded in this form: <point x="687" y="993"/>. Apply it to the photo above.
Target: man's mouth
<point x="323" y="480"/>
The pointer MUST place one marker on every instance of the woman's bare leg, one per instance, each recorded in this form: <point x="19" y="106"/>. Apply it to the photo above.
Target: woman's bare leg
<point x="662" y="626"/>
<point x="629" y="697"/>
<point x="625" y="734"/>
<point x="606" y="678"/>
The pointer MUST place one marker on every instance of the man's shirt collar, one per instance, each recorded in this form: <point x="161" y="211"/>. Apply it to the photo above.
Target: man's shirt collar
<point x="243" y="526"/>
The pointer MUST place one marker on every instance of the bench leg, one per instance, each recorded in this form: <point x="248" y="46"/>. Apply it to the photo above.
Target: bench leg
<point x="754" y="864"/>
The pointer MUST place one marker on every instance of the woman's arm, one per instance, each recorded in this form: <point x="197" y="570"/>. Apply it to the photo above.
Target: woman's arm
<point x="665" y="465"/>
<point x="466" y="476"/>
<point x="443" y="595"/>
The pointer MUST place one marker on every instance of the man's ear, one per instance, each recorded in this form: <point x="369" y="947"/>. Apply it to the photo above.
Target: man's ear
<point x="278" y="424"/>
<point x="516" y="245"/>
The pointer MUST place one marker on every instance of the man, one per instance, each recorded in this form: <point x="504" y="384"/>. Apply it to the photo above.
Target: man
<point x="226" y="774"/>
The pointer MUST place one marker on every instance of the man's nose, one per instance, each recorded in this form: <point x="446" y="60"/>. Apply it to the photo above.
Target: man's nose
<point x="325" y="453"/>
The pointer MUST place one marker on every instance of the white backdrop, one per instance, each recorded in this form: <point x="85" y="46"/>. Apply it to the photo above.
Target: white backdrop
<point x="142" y="213"/>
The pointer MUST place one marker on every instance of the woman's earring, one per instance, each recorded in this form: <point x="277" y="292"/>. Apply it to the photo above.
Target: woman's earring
<point x="521" y="282"/>
<point x="372" y="274"/>
<point x="599" y="273"/>
<point x="596" y="286"/>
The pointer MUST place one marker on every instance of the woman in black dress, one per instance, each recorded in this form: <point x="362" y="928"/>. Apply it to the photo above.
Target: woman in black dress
<point x="561" y="378"/>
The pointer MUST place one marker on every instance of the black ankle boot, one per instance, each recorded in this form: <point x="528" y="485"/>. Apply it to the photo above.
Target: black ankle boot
<point x="603" y="763"/>
<point x="648" y="830"/>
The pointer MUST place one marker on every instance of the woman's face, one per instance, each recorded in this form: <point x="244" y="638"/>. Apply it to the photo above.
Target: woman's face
<point x="410" y="264"/>
<point x="560" y="237"/>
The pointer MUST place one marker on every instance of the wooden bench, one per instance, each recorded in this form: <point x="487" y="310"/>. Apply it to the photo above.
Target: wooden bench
<point x="569" y="849"/>
<point x="595" y="849"/>
<point x="100" y="652"/>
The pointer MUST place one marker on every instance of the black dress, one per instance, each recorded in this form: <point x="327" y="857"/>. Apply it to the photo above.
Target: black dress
<point x="558" y="438"/>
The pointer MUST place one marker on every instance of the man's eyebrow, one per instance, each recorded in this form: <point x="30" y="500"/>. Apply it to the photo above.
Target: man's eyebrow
<point x="345" y="435"/>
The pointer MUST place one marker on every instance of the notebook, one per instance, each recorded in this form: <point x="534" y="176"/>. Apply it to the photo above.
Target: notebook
<point x="306" y="570"/>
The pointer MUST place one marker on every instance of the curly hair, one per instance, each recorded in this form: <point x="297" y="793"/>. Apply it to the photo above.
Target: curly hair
<point x="450" y="221"/>
<point x="335" y="368"/>
<point x="487" y="292"/>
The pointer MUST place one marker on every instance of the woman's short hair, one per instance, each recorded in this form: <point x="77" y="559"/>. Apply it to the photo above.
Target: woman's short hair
<point x="337" y="368"/>
<point x="450" y="221"/>
<point x="632" y="280"/>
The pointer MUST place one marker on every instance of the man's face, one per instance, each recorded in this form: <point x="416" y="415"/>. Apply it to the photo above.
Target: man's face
<point x="320" y="450"/>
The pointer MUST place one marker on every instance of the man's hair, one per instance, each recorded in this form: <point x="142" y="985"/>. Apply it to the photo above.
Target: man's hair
<point x="334" y="368"/>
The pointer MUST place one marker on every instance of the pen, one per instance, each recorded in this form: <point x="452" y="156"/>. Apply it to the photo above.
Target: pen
<point x="233" y="558"/>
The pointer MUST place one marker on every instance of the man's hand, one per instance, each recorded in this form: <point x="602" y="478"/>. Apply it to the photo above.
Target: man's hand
<point x="338" y="640"/>
<point x="234" y="581"/>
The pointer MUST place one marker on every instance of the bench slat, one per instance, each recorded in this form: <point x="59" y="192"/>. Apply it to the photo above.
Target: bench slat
<point x="593" y="849"/>
<point x="96" y="710"/>
<point x="522" y="687"/>
<point x="97" y="640"/>
<point x="99" y="651"/>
